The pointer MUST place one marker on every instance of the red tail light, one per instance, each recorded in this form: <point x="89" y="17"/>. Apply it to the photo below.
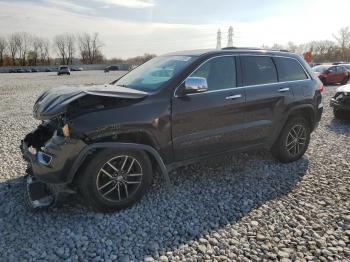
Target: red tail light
<point x="321" y="88"/>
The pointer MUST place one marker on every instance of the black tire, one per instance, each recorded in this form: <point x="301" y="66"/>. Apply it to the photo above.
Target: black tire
<point x="323" y="80"/>
<point x="280" y="150"/>
<point x="341" y="114"/>
<point x="91" y="175"/>
<point x="345" y="80"/>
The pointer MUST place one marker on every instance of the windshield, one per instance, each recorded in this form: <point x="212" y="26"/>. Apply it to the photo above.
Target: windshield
<point x="152" y="74"/>
<point x="320" y="68"/>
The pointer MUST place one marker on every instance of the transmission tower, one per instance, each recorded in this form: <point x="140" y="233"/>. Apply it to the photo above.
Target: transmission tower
<point x="218" y="40"/>
<point x="230" y="37"/>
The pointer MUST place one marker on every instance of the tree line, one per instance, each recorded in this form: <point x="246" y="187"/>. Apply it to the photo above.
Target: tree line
<point x="22" y="48"/>
<point x="323" y="51"/>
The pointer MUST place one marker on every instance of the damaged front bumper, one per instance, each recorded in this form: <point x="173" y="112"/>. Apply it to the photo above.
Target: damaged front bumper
<point x="50" y="157"/>
<point x="342" y="105"/>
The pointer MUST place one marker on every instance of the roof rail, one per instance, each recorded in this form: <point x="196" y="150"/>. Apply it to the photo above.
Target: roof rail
<point x="254" y="48"/>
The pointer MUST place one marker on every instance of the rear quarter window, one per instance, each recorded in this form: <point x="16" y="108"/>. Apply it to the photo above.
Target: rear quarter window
<point x="289" y="69"/>
<point x="258" y="70"/>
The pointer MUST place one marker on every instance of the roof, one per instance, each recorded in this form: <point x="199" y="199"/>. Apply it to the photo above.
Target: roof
<point x="253" y="50"/>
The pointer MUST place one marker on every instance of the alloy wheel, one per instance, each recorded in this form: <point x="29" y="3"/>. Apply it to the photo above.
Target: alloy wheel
<point x="296" y="140"/>
<point x="119" y="178"/>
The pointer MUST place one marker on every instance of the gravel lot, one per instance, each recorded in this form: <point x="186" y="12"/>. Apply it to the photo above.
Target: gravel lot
<point x="244" y="207"/>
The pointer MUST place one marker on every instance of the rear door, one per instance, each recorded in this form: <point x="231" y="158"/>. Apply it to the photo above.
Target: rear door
<point x="213" y="121"/>
<point x="290" y="70"/>
<point x="267" y="99"/>
<point x="333" y="75"/>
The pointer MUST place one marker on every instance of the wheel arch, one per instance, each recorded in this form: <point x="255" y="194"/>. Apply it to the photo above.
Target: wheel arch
<point x="87" y="152"/>
<point x="306" y="111"/>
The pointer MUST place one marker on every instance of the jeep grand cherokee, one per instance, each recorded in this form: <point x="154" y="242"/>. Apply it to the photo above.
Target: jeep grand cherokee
<point x="106" y="141"/>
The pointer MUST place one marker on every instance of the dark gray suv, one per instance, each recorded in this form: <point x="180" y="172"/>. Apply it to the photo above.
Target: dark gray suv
<point x="105" y="141"/>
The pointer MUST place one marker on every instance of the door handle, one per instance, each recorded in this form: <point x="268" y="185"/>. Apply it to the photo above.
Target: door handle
<point x="233" y="97"/>
<point x="286" y="89"/>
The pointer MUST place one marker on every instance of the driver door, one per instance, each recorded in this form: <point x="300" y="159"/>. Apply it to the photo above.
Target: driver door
<point x="212" y="121"/>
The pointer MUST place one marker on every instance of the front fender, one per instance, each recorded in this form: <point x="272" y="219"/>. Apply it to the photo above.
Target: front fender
<point x="89" y="148"/>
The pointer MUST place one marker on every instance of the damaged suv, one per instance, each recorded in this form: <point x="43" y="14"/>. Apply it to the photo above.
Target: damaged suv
<point x="106" y="141"/>
<point x="341" y="102"/>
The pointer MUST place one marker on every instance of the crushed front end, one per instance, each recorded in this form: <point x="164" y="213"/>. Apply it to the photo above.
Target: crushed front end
<point x="341" y="100"/>
<point x="50" y="154"/>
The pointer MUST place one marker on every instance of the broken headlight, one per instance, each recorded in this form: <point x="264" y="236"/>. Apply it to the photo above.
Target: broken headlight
<point x="66" y="130"/>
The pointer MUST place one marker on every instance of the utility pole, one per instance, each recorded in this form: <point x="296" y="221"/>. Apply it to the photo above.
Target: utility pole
<point x="230" y="37"/>
<point x="218" y="40"/>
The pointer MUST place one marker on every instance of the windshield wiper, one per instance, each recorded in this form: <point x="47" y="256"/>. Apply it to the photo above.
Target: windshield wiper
<point x="123" y="85"/>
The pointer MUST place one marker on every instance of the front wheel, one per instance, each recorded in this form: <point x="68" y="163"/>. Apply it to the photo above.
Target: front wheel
<point x="293" y="140"/>
<point x="115" y="179"/>
<point x="341" y="114"/>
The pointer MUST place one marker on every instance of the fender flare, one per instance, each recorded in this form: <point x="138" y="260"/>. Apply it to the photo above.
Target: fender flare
<point x="287" y="114"/>
<point x="86" y="150"/>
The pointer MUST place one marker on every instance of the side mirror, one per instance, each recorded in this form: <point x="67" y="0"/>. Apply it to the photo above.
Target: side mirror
<point x="195" y="85"/>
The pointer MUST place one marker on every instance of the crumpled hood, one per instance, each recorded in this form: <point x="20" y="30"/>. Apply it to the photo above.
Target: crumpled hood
<point x="345" y="88"/>
<point x="55" y="101"/>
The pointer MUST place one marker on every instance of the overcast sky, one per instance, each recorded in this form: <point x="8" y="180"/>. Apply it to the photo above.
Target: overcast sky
<point x="133" y="27"/>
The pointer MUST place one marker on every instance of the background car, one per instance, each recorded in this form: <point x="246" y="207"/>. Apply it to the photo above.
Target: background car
<point x="332" y="74"/>
<point x="63" y="70"/>
<point x="20" y="70"/>
<point x="341" y="102"/>
<point x="76" y="69"/>
<point x="111" y="68"/>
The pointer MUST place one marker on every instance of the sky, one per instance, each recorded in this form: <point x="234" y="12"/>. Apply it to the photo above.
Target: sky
<point x="133" y="27"/>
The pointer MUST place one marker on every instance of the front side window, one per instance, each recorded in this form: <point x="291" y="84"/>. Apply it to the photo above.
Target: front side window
<point x="154" y="73"/>
<point x="332" y="69"/>
<point x="258" y="70"/>
<point x="320" y="69"/>
<point x="289" y="69"/>
<point x="220" y="72"/>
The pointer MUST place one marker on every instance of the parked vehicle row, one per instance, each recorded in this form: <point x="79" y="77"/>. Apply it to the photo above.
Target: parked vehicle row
<point x="47" y="69"/>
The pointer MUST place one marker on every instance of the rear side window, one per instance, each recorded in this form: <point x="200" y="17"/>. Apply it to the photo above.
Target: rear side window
<point x="258" y="70"/>
<point x="289" y="69"/>
<point x="220" y="72"/>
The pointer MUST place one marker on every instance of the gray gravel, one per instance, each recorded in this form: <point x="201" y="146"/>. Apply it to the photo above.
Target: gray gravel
<point x="244" y="207"/>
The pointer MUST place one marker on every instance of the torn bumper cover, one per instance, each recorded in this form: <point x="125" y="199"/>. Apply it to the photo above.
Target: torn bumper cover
<point x="49" y="160"/>
<point x="342" y="104"/>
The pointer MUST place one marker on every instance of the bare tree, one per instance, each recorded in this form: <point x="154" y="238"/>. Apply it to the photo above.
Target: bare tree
<point x="35" y="51"/>
<point x="90" y="47"/>
<point x="23" y="46"/>
<point x="343" y="39"/>
<point x="3" y="46"/>
<point x="291" y="47"/>
<point x="44" y="51"/>
<point x="13" y="42"/>
<point x="65" y="47"/>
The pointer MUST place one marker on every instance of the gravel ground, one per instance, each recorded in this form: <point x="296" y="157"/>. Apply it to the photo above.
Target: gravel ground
<point x="244" y="207"/>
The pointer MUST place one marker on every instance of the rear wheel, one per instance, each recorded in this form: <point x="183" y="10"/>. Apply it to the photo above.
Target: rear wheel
<point x="345" y="80"/>
<point x="293" y="140"/>
<point x="115" y="179"/>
